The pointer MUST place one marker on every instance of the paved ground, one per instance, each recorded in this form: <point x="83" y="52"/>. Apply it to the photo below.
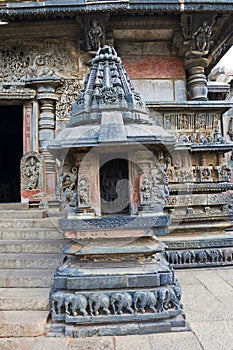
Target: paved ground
<point x="208" y="304"/>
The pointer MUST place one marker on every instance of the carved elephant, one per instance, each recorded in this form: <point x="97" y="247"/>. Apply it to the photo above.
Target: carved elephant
<point x="75" y="303"/>
<point x="99" y="301"/>
<point x="215" y="255"/>
<point x="169" y="297"/>
<point x="142" y="299"/>
<point x="228" y="254"/>
<point x="120" y="301"/>
<point x="188" y="257"/>
<point x="202" y="256"/>
<point x="173" y="257"/>
<point x="57" y="303"/>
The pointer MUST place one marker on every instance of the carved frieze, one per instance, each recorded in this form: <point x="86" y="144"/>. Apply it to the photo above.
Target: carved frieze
<point x="43" y="59"/>
<point x="76" y="306"/>
<point x="200" y="257"/>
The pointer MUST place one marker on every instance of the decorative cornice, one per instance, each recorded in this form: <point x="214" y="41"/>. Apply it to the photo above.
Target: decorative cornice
<point x="69" y="7"/>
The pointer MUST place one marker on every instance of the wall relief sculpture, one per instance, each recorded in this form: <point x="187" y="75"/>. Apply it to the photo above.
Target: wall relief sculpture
<point x="193" y="258"/>
<point x="74" y="306"/>
<point x="43" y="59"/>
<point x="31" y="171"/>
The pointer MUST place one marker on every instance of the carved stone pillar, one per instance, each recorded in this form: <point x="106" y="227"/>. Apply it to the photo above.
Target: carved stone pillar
<point x="197" y="81"/>
<point x="47" y="98"/>
<point x="197" y="31"/>
<point x="26" y="127"/>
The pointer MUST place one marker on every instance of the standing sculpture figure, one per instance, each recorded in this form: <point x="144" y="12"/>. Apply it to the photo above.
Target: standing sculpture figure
<point x="95" y="34"/>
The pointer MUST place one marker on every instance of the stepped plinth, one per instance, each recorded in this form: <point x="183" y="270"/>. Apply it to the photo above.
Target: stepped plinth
<point x="115" y="279"/>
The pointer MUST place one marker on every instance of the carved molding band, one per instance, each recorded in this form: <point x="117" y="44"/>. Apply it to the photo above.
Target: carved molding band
<point x="75" y="306"/>
<point x="201" y="257"/>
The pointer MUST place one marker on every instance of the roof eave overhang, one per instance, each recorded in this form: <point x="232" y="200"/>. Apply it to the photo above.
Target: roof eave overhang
<point x="71" y="7"/>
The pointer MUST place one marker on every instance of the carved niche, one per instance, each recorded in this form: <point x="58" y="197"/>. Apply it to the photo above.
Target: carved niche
<point x="31" y="172"/>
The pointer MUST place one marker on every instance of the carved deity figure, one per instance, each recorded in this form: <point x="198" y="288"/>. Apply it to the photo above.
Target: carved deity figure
<point x="201" y="39"/>
<point x="95" y="34"/>
<point x="145" y="189"/>
<point x="31" y="172"/>
<point x="83" y="193"/>
<point x="68" y="183"/>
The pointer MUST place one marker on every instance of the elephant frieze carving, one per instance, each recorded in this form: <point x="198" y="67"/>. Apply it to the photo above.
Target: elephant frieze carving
<point x="202" y="256"/>
<point x="57" y="303"/>
<point x="173" y="257"/>
<point x="75" y="303"/>
<point x="188" y="257"/>
<point x="215" y="255"/>
<point x="120" y="302"/>
<point x="143" y="299"/>
<point x="97" y="302"/>
<point x="228" y="254"/>
<point x="169" y="297"/>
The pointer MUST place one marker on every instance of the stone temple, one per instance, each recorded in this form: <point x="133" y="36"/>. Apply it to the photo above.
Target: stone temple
<point x="116" y="152"/>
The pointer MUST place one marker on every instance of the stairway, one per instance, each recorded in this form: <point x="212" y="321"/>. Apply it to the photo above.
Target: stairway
<point x="30" y="251"/>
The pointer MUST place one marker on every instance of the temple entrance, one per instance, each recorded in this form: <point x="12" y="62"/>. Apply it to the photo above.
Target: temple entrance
<point x="114" y="187"/>
<point x="11" y="151"/>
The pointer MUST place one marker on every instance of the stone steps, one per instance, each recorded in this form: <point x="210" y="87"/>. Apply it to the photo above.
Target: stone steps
<point x="8" y="223"/>
<point x="26" y="278"/>
<point x="22" y="323"/>
<point x="30" y="251"/>
<point x="22" y="214"/>
<point x="30" y="234"/>
<point x="21" y="299"/>
<point x="32" y="246"/>
<point x="29" y="261"/>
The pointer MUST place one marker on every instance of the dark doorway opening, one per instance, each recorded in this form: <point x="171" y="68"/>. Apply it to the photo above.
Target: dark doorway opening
<point x="11" y="151"/>
<point x="114" y="187"/>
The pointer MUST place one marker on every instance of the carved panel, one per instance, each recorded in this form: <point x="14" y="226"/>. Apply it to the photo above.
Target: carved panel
<point x="73" y="306"/>
<point x="31" y="171"/>
<point x="41" y="59"/>
<point x="200" y="257"/>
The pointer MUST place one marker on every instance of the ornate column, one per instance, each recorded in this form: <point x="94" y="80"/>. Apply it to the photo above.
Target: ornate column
<point x="47" y="98"/>
<point x="199" y="34"/>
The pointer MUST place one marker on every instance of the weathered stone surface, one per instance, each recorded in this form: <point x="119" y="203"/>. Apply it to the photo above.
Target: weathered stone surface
<point x="19" y="214"/>
<point x="26" y="223"/>
<point x="28" y="278"/>
<point x="32" y="233"/>
<point x="151" y="89"/>
<point x="23" y="261"/>
<point x="22" y="323"/>
<point x="32" y="246"/>
<point x="24" y="299"/>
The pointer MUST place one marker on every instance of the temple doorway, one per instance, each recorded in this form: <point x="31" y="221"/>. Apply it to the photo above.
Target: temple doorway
<point x="114" y="187"/>
<point x="11" y="151"/>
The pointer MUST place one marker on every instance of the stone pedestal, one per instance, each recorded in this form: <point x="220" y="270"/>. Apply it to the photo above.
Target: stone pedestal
<point x="115" y="281"/>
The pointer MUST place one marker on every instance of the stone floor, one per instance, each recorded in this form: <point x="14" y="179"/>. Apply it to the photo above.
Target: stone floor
<point x="208" y="304"/>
